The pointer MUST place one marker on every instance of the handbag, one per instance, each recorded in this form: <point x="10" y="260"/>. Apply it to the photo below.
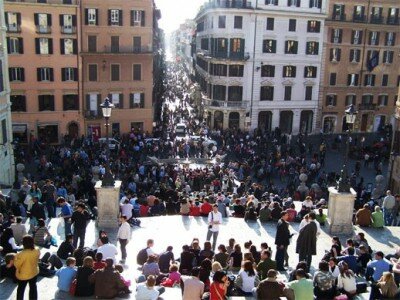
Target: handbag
<point x="72" y="288"/>
<point x="212" y="220"/>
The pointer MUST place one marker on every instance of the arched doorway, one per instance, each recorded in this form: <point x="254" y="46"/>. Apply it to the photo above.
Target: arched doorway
<point x="234" y="120"/>
<point x="329" y="124"/>
<point x="265" y="121"/>
<point x="286" y="121"/>
<point x="218" y="119"/>
<point x="306" y="121"/>
<point x="73" y="130"/>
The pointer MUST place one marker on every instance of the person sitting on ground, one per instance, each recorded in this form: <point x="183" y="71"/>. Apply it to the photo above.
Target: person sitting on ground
<point x="205" y="208"/>
<point x="350" y="259"/>
<point x="8" y="243"/>
<point x="107" y="249"/>
<point x="186" y="260"/>
<point x="385" y="288"/>
<point x="99" y="263"/>
<point x="216" y="266"/>
<point x="19" y="230"/>
<point x="127" y="282"/>
<point x="184" y="208"/>
<point x="363" y="258"/>
<point x="151" y="267"/>
<point x="238" y="209"/>
<point x="205" y="271"/>
<point x="166" y="259"/>
<point x="83" y="287"/>
<point x="364" y="216"/>
<point x="302" y="287"/>
<point x="207" y="252"/>
<point x="42" y="237"/>
<point x="66" y="248"/>
<point x="194" y="209"/>
<point x="107" y="282"/>
<point x="7" y="269"/>
<point x="376" y="267"/>
<point x="292" y="213"/>
<point x="301" y="265"/>
<point x="276" y="211"/>
<point x="147" y="290"/>
<point x="346" y="281"/>
<point x="222" y="256"/>
<point x="174" y="276"/>
<point x="377" y="218"/>
<point x="265" y="264"/>
<point x="250" y="214"/>
<point x="333" y="267"/>
<point x="270" y="288"/>
<point x="324" y="282"/>
<point x="66" y="275"/>
<point x="219" y="286"/>
<point x="236" y="258"/>
<point x="192" y="287"/>
<point x="247" y="280"/>
<point x="321" y="217"/>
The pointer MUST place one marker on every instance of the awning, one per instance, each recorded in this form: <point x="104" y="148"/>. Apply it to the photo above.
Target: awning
<point x="19" y="128"/>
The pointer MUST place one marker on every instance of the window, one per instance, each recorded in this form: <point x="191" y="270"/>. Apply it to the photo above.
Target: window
<point x="68" y="46"/>
<point x="269" y="46"/>
<point x="369" y="80"/>
<point x="93" y="101"/>
<point x="388" y="57"/>
<point x="115" y="44"/>
<point x="15" y="45"/>
<point x="332" y="79"/>
<point x="393" y="16"/>
<point x="315" y="3"/>
<point x="385" y="79"/>
<point x="313" y="26"/>
<point x="114" y="17"/>
<point x="70" y="102"/>
<point x="4" y="132"/>
<point x="335" y="54"/>
<point x="308" y="94"/>
<point x="336" y="35"/>
<point x="376" y="15"/>
<point x="355" y="55"/>
<point x="271" y="2"/>
<point x="235" y="93"/>
<point x="137" y="72"/>
<point x="18" y="103"/>
<point x="390" y="39"/>
<point x="92" y="72"/>
<point x="69" y="74"/>
<point x="383" y="100"/>
<point x="138" y="18"/>
<point x="44" y="46"/>
<point x="46" y="102"/>
<point x="338" y="12"/>
<point x="267" y="93"/>
<point x="45" y="74"/>
<point x="359" y="13"/>
<point x="310" y="72"/>
<point x="236" y="70"/>
<point x="291" y="47"/>
<point x="268" y="71"/>
<point x="270" y="23"/>
<point x="367" y="99"/>
<point x="288" y="93"/>
<point x="16" y="74"/>
<point x="68" y="23"/>
<point x="312" y="48"/>
<point x="238" y="22"/>
<point x="356" y="37"/>
<point x="221" y="21"/>
<point x="352" y="79"/>
<point x="114" y="72"/>
<point x="219" y="92"/>
<point x="293" y="3"/>
<point x="331" y="100"/>
<point x="351" y="99"/>
<point x="373" y="38"/>
<point x="117" y="99"/>
<point x="42" y="22"/>
<point x="237" y="48"/>
<point x="1" y="77"/>
<point x="92" y="43"/>
<point x="292" y="24"/>
<point x="289" y="71"/>
<point x="204" y="44"/>
<point x="13" y="21"/>
<point x="91" y="16"/>
<point x="136" y="100"/>
<point x="218" y="69"/>
<point x="137" y="44"/>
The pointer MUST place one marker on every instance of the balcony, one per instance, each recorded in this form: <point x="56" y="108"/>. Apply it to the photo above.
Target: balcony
<point x="367" y="106"/>
<point x="392" y="21"/>
<point x="13" y="28"/>
<point x="339" y="17"/>
<point x="225" y="104"/>
<point x="68" y="29"/>
<point x="43" y="29"/>
<point x="376" y="20"/>
<point x="238" y="56"/>
<point x="66" y="2"/>
<point x="93" y="114"/>
<point x="238" y="4"/>
<point x="359" y="18"/>
<point x="122" y="50"/>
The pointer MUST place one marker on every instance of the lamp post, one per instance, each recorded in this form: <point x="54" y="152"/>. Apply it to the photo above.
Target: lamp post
<point x="106" y="107"/>
<point x="344" y="184"/>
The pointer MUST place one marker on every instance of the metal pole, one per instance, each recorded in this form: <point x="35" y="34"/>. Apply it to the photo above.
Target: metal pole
<point x="108" y="179"/>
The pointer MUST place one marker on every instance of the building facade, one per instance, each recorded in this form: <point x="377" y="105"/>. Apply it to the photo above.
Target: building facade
<point x="7" y="168"/>
<point x="42" y="46"/>
<point x="360" y="64"/>
<point x="259" y="63"/>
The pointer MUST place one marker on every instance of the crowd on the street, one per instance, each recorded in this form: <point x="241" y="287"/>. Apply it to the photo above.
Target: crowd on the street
<point x="251" y="176"/>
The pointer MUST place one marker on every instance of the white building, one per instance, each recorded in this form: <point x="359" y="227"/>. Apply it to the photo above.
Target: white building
<point x="7" y="169"/>
<point x="259" y="63"/>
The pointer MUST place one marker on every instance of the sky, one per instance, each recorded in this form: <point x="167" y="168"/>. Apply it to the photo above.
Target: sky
<point x="175" y="12"/>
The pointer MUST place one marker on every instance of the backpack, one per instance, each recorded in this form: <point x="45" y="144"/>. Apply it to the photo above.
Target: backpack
<point x="142" y="257"/>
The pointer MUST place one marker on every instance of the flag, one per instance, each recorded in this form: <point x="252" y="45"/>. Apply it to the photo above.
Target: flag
<point x="373" y="61"/>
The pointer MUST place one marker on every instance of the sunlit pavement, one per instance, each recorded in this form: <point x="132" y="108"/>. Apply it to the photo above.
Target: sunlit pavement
<point x="177" y="231"/>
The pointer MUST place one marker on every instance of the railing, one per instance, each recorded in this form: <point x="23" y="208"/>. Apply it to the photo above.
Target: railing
<point x="93" y="114"/>
<point x="67" y="2"/>
<point x="13" y="28"/>
<point x="376" y="20"/>
<point x="232" y="55"/>
<point x="43" y="29"/>
<point x="359" y="19"/>
<point x="225" y="104"/>
<point x="68" y="29"/>
<point x="226" y="4"/>
<point x="367" y="106"/>
<point x="124" y="49"/>
<point x="339" y="17"/>
<point x="393" y="21"/>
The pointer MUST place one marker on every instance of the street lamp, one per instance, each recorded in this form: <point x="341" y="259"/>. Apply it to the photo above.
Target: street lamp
<point x="344" y="184"/>
<point x="106" y="107"/>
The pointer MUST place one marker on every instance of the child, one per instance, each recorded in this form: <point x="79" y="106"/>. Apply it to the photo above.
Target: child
<point x="126" y="282"/>
<point x="99" y="263"/>
<point x="8" y="269"/>
<point x="321" y="217"/>
<point x="174" y="276"/>
<point x="66" y="275"/>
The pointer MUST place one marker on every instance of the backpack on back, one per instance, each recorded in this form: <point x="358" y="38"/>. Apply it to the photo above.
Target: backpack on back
<point x="142" y="257"/>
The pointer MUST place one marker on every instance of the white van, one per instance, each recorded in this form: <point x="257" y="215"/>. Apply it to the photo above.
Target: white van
<point x="113" y="143"/>
<point x="180" y="131"/>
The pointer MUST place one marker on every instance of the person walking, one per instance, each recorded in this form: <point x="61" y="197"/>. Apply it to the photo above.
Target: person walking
<point x="80" y="219"/>
<point x="124" y="235"/>
<point x="282" y="241"/>
<point x="49" y="194"/>
<point x="214" y="220"/>
<point x="306" y="245"/>
<point x="66" y="213"/>
<point x="389" y="203"/>
<point x="26" y="264"/>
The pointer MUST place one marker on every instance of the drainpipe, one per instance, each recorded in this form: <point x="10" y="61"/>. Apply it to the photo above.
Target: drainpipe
<point x="254" y="61"/>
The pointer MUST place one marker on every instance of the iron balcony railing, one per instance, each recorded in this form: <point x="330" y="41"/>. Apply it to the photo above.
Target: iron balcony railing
<point x="367" y="106"/>
<point x="225" y="104"/>
<point x="66" y="2"/>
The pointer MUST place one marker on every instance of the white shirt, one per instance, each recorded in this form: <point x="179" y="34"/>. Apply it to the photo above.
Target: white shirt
<point x="126" y="210"/>
<point x="347" y="283"/>
<point x="214" y="217"/>
<point x="108" y="251"/>
<point x="124" y="231"/>
<point x="143" y="292"/>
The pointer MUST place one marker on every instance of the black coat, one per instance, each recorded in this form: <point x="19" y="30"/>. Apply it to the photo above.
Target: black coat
<point x="307" y="240"/>
<point x="282" y="233"/>
<point x="83" y="287"/>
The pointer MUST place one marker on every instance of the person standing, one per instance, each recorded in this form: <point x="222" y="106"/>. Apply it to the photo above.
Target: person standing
<point x="49" y="194"/>
<point x="388" y="204"/>
<point x="214" y="220"/>
<point x="26" y="264"/>
<point x="79" y="219"/>
<point x="66" y="213"/>
<point x="124" y="235"/>
<point x="282" y="241"/>
<point x="306" y="245"/>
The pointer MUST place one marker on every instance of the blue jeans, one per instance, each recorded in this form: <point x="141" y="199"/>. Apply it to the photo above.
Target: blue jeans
<point x="388" y="216"/>
<point x="280" y="257"/>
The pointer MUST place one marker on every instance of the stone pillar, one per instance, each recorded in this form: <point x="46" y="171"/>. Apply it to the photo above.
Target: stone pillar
<point x="340" y="211"/>
<point x="107" y="205"/>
